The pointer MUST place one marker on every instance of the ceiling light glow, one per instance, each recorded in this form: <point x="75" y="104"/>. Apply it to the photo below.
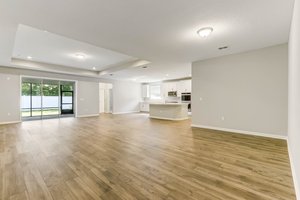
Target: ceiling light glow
<point x="29" y="57"/>
<point x="80" y="56"/>
<point x="94" y="68"/>
<point x="205" y="32"/>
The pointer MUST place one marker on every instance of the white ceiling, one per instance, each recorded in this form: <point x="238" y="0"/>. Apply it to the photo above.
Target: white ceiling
<point x="163" y="32"/>
<point x="47" y="47"/>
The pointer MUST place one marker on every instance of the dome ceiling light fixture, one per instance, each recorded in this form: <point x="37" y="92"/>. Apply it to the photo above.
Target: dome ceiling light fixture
<point x="80" y="56"/>
<point x="205" y="32"/>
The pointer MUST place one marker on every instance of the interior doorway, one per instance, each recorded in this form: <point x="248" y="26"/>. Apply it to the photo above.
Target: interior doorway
<point x="45" y="98"/>
<point x="106" y="98"/>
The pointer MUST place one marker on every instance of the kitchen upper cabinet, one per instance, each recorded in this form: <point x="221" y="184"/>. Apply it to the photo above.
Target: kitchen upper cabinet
<point x="185" y="86"/>
<point x="172" y="86"/>
<point x="169" y="87"/>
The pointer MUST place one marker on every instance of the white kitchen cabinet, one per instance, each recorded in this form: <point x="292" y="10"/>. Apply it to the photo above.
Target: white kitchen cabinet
<point x="144" y="107"/>
<point x="185" y="86"/>
<point x="172" y="86"/>
<point x="169" y="87"/>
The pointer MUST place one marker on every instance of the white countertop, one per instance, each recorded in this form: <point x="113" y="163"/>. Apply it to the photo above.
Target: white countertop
<point x="169" y="104"/>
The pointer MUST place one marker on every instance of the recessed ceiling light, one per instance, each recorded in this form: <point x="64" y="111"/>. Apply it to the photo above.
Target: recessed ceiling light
<point x="167" y="74"/>
<point x="205" y="32"/>
<point x="80" y="56"/>
<point x="94" y="68"/>
<point x="29" y="57"/>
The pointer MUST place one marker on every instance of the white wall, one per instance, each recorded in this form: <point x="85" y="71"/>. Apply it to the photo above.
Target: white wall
<point x="87" y="98"/>
<point x="9" y="98"/>
<point x="126" y="97"/>
<point x="294" y="96"/>
<point x="249" y="90"/>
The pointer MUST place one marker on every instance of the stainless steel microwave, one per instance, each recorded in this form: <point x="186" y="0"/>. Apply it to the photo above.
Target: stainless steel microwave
<point x="186" y="97"/>
<point x="172" y="94"/>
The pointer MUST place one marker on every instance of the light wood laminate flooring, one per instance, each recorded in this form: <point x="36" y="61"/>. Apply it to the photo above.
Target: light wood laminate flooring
<point x="134" y="157"/>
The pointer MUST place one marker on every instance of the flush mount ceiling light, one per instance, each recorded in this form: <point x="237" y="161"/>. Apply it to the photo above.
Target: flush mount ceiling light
<point x="80" y="56"/>
<point x="205" y="32"/>
<point x="94" y="68"/>
<point x="29" y="57"/>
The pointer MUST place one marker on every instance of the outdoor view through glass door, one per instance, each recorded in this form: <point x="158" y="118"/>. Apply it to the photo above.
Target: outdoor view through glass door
<point x="42" y="99"/>
<point x="67" y="97"/>
<point x="50" y="98"/>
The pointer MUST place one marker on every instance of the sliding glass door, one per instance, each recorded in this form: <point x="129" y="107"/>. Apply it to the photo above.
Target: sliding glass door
<point x="43" y="99"/>
<point x="67" y="98"/>
<point x="31" y="99"/>
<point x="50" y="99"/>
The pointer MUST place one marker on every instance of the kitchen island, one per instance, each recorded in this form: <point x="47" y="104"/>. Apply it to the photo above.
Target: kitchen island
<point x="168" y="111"/>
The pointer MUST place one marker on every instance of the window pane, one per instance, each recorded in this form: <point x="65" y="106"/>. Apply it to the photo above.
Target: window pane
<point x="155" y="92"/>
<point x="67" y="87"/>
<point x="36" y="99"/>
<point x="67" y="99"/>
<point x="50" y="99"/>
<point x="26" y="101"/>
<point x="50" y="111"/>
<point x="67" y="107"/>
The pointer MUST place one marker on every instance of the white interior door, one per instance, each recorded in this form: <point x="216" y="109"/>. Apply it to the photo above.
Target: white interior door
<point x="101" y="100"/>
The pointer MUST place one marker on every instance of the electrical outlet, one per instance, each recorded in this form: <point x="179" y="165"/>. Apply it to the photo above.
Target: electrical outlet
<point x="8" y="114"/>
<point x="223" y="118"/>
<point x="200" y="99"/>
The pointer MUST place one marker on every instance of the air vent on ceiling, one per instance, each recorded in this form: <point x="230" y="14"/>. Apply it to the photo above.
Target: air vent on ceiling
<point x="224" y="47"/>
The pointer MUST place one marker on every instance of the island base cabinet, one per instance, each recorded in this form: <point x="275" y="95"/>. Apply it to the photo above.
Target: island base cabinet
<point x="169" y="111"/>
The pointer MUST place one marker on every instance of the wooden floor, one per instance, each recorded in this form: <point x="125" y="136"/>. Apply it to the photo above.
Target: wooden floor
<point x="133" y="157"/>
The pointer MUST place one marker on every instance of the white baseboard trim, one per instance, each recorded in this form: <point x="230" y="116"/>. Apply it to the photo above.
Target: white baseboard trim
<point x="93" y="115"/>
<point x="165" y="118"/>
<point x="296" y="184"/>
<point x="11" y="122"/>
<point x="121" y="113"/>
<point x="242" y="132"/>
